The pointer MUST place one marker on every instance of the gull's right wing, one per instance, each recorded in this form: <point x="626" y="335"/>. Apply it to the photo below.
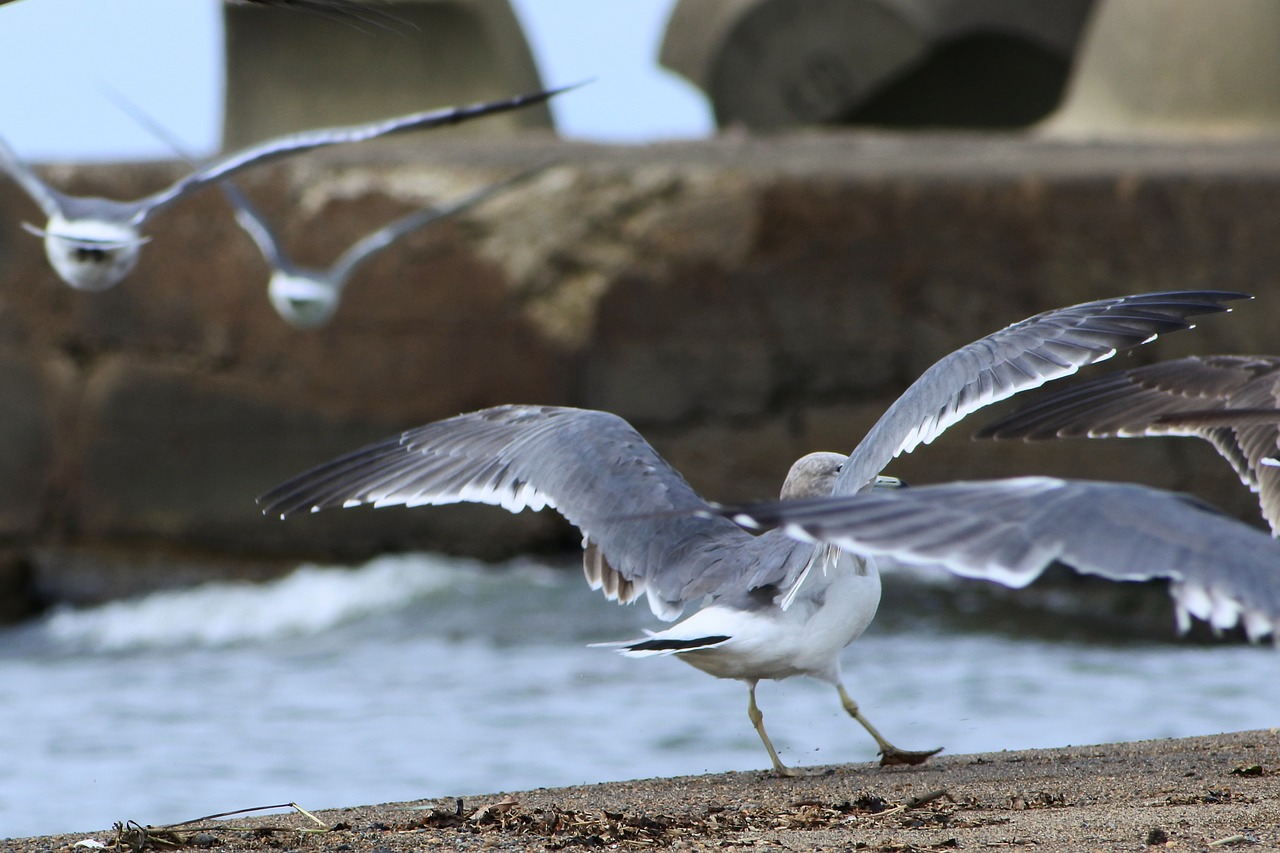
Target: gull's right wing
<point x="52" y="202"/>
<point x="1010" y="531"/>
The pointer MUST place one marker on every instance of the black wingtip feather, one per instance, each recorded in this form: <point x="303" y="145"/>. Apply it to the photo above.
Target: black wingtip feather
<point x="672" y="645"/>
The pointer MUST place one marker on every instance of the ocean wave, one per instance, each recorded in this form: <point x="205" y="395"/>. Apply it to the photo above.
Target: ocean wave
<point x="308" y="601"/>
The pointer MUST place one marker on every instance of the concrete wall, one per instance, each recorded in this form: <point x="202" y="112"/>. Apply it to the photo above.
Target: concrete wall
<point x="742" y="301"/>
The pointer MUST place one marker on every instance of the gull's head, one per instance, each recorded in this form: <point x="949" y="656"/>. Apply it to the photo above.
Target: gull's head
<point x="304" y="301"/>
<point x="813" y="476"/>
<point x="90" y="254"/>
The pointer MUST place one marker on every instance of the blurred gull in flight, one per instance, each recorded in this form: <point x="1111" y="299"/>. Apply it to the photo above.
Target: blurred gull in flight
<point x="771" y="606"/>
<point x="307" y="297"/>
<point x="93" y="243"/>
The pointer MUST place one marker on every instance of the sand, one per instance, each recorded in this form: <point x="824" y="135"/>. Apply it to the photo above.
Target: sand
<point x="1207" y="793"/>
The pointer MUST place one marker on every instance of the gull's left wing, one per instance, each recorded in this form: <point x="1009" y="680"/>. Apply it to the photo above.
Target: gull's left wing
<point x="1017" y="358"/>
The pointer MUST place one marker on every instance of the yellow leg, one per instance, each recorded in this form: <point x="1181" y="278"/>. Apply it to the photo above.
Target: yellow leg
<point x="757" y="720"/>
<point x="889" y="754"/>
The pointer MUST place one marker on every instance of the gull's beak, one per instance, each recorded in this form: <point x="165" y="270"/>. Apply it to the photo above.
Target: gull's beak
<point x="883" y="482"/>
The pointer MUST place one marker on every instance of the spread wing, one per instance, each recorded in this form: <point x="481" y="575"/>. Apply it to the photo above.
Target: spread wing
<point x="634" y="510"/>
<point x="1010" y="531"/>
<point x="50" y="201"/>
<point x="224" y="167"/>
<point x="248" y="217"/>
<point x="388" y="234"/>
<point x="1232" y="401"/>
<point x="252" y="222"/>
<point x="1017" y="358"/>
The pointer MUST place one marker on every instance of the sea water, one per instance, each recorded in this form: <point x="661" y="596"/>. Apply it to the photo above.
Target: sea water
<point x="420" y="676"/>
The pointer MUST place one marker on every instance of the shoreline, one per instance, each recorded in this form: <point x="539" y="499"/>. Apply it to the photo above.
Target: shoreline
<point x="1202" y="793"/>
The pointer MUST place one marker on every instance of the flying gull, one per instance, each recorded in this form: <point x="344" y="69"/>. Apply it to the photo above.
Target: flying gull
<point x="774" y="606"/>
<point x="1232" y="401"/>
<point x="93" y="243"/>
<point x="307" y="297"/>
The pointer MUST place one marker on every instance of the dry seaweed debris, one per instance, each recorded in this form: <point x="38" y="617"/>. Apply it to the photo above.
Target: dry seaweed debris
<point x="559" y="827"/>
<point x="132" y="836"/>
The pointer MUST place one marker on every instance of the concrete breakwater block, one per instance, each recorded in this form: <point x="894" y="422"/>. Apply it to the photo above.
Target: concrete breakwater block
<point x="287" y="72"/>
<point x="780" y="63"/>
<point x="1161" y="68"/>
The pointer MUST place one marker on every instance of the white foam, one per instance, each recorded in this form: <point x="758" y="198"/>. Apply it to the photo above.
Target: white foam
<point x="310" y="600"/>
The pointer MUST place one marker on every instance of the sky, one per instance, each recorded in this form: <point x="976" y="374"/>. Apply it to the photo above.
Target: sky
<point x="166" y="57"/>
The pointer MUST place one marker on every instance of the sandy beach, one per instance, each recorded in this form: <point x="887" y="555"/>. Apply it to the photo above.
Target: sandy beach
<point x="1206" y="793"/>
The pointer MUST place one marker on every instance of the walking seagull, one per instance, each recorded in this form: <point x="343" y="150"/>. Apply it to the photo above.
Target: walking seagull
<point x="774" y="606"/>
<point x="1232" y="401"/>
<point x="93" y="243"/>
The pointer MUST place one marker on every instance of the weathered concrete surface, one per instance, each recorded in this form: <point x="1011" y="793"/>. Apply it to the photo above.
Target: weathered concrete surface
<point x="742" y="301"/>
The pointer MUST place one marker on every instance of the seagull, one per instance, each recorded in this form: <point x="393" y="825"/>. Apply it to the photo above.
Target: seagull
<point x="1232" y="401"/>
<point x="93" y="243"/>
<point x="307" y="297"/>
<point x="771" y="607"/>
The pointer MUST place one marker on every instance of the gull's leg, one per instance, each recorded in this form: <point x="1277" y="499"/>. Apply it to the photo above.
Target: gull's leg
<point x="757" y="720"/>
<point x="889" y="754"/>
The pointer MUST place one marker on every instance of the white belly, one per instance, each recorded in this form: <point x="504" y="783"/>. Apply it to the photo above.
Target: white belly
<point x="829" y="612"/>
